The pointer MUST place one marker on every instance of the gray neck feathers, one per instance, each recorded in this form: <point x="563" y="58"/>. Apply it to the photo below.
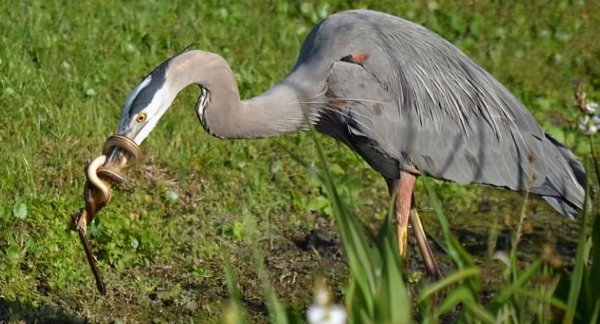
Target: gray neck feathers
<point x="276" y="111"/>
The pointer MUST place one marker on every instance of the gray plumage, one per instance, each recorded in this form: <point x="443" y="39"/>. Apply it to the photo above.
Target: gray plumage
<point x="395" y="92"/>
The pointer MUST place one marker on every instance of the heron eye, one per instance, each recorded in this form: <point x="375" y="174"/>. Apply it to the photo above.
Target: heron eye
<point x="141" y="117"/>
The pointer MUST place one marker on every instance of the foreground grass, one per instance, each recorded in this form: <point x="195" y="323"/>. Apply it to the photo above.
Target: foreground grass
<point x="197" y="202"/>
<point x="533" y="291"/>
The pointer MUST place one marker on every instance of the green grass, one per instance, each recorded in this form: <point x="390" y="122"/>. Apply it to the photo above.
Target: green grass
<point x="66" y="69"/>
<point x="535" y="291"/>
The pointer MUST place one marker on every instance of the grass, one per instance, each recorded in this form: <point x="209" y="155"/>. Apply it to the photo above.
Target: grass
<point x="376" y="292"/>
<point x="198" y="203"/>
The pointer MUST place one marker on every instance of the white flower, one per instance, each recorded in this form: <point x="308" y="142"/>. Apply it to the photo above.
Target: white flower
<point x="432" y="6"/>
<point x="323" y="311"/>
<point x="329" y="314"/>
<point x="591" y="107"/>
<point x="589" y="125"/>
<point x="171" y="196"/>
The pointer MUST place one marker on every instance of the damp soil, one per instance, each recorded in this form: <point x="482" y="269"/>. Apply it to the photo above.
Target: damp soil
<point x="295" y="255"/>
<point x="487" y="233"/>
<point x="294" y="258"/>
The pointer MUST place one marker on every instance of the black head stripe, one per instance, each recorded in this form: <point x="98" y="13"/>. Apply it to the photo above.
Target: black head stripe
<point x="145" y="96"/>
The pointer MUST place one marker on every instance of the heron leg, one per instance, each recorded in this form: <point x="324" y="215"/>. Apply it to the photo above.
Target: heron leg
<point x="403" y="190"/>
<point x="424" y="247"/>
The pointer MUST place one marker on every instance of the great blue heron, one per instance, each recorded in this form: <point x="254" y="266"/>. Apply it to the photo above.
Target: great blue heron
<point x="408" y="101"/>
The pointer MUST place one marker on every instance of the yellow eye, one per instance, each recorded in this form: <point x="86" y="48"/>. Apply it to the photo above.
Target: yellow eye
<point x="141" y="117"/>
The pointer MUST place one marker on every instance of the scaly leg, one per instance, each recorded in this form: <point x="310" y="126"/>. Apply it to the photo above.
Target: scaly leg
<point x="403" y="190"/>
<point x="424" y="247"/>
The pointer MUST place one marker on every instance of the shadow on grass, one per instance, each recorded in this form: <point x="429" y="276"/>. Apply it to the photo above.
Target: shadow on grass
<point x="15" y="311"/>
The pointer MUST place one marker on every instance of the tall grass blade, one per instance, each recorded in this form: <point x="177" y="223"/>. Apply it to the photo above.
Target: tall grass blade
<point x="454" y="278"/>
<point x="577" y="276"/>
<point x="522" y="280"/>
<point x="595" y="270"/>
<point x="479" y="312"/>
<point x="596" y="314"/>
<point x="454" y="249"/>
<point x="234" y="313"/>
<point x="546" y="299"/>
<point x="376" y="293"/>
<point x="360" y="258"/>
<point x="392" y="293"/>
<point x="277" y="313"/>
<point x="456" y="296"/>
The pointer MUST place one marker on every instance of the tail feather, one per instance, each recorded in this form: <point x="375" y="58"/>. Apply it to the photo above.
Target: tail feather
<point x="562" y="206"/>
<point x="565" y="181"/>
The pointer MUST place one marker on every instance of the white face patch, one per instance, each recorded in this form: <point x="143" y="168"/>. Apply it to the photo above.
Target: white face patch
<point x="157" y="107"/>
<point x="125" y="112"/>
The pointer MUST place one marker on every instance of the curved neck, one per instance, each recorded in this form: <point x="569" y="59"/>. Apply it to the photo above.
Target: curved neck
<point x="276" y="111"/>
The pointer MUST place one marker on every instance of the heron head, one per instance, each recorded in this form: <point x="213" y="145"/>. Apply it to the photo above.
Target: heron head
<point x="144" y="107"/>
<point x="146" y="104"/>
<point x="153" y="96"/>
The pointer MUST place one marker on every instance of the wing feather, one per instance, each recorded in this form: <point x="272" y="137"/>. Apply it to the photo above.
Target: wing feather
<point x="438" y="110"/>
